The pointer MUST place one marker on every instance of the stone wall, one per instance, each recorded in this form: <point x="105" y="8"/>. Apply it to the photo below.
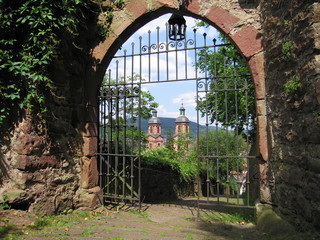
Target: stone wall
<point x="291" y="41"/>
<point x="47" y="162"/>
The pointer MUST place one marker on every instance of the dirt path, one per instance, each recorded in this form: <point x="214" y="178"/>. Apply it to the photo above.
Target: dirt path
<point x="158" y="221"/>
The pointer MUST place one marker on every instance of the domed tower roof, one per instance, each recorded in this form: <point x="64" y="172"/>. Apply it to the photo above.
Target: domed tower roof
<point x="154" y="119"/>
<point x="182" y="118"/>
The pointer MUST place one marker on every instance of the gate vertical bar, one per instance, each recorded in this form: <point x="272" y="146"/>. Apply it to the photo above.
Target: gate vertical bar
<point x="158" y="57"/>
<point x="206" y="114"/>
<point x="109" y="158"/>
<point x="236" y="127"/>
<point x="124" y="126"/>
<point x="116" y="174"/>
<point x="139" y="149"/>
<point x="216" y="119"/>
<point x="226" y="123"/>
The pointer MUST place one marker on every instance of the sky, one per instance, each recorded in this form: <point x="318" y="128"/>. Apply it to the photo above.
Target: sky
<point x="169" y="96"/>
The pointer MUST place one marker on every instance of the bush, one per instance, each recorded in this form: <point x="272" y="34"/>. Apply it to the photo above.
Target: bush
<point x="185" y="166"/>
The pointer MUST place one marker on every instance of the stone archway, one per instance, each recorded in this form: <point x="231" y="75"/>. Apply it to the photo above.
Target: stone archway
<point x="51" y="165"/>
<point x="242" y="28"/>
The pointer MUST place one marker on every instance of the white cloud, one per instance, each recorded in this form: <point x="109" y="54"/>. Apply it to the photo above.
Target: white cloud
<point x="163" y="112"/>
<point x="187" y="98"/>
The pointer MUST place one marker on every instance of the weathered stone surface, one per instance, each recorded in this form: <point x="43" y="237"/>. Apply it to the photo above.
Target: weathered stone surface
<point x="12" y="195"/>
<point x="248" y="40"/>
<point x="43" y="206"/>
<point x="25" y="162"/>
<point x="91" y="129"/>
<point x="222" y="19"/>
<point x="256" y="64"/>
<point x="156" y="4"/>
<point x="90" y="145"/>
<point x="294" y="120"/>
<point x="263" y="137"/>
<point x="26" y="143"/>
<point x="89" y="172"/>
<point x="83" y="198"/>
<point x="261" y="107"/>
<point x="137" y="7"/>
<point x="193" y="6"/>
<point x="314" y="164"/>
<point x="269" y="222"/>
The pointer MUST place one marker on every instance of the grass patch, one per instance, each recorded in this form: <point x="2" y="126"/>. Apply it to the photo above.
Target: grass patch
<point x="240" y="216"/>
<point x="189" y="237"/>
<point x="10" y="231"/>
<point x="140" y="213"/>
<point x="87" y="233"/>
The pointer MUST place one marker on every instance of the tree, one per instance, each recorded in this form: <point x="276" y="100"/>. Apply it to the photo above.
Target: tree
<point x="230" y="99"/>
<point x="170" y="140"/>
<point x="120" y="110"/>
<point x="129" y="90"/>
<point x="222" y="143"/>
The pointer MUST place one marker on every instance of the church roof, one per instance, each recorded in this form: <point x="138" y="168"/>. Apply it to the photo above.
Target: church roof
<point x="182" y="118"/>
<point x="154" y="119"/>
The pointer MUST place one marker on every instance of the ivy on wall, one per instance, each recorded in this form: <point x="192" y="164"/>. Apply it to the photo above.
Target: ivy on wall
<point x="30" y="35"/>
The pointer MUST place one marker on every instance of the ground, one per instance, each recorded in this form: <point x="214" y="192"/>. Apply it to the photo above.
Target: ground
<point x="171" y="220"/>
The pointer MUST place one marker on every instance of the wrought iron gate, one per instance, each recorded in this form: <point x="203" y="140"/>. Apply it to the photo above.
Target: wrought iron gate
<point x="119" y="147"/>
<point x="220" y="94"/>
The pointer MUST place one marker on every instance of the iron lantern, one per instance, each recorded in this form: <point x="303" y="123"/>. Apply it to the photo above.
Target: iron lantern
<point x="177" y="27"/>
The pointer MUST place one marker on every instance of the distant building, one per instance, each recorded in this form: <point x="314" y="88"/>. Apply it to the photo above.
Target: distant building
<point x="182" y="127"/>
<point x="155" y="138"/>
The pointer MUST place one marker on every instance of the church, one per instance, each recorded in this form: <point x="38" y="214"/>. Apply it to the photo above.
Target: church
<point x="155" y="138"/>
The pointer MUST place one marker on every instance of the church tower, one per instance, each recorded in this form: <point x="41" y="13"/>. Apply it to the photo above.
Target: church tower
<point x="155" y="138"/>
<point x="182" y="126"/>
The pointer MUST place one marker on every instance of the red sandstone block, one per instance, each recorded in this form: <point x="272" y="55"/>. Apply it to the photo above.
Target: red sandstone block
<point x="256" y="64"/>
<point x="120" y="23"/>
<point x="164" y="3"/>
<point x="137" y="7"/>
<point x="263" y="137"/>
<point x="248" y="39"/>
<point x="91" y="129"/>
<point x="89" y="173"/>
<point x="261" y="107"/>
<point x="24" y="162"/>
<point x="90" y="145"/>
<point x="99" y="52"/>
<point x="222" y="18"/>
<point x="193" y="6"/>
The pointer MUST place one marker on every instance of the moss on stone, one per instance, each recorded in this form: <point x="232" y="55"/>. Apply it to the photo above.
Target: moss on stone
<point x="271" y="223"/>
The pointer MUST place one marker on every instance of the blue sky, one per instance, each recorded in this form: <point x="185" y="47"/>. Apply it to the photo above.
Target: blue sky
<point x="168" y="95"/>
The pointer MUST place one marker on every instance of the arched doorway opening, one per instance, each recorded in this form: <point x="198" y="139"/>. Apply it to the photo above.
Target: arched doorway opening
<point x="119" y="92"/>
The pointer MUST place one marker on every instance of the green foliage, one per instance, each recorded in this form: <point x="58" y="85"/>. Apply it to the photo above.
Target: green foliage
<point x="184" y="143"/>
<point x="4" y="203"/>
<point x="87" y="233"/>
<point x="5" y="232"/>
<point x="185" y="167"/>
<point x="30" y="33"/>
<point x="233" y="108"/>
<point x="147" y="103"/>
<point x="40" y="223"/>
<point x="287" y="50"/>
<point x="123" y="132"/>
<point x="236" y="216"/>
<point x="119" y="3"/>
<point x="170" y="140"/>
<point x="293" y="85"/>
<point x="222" y="143"/>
